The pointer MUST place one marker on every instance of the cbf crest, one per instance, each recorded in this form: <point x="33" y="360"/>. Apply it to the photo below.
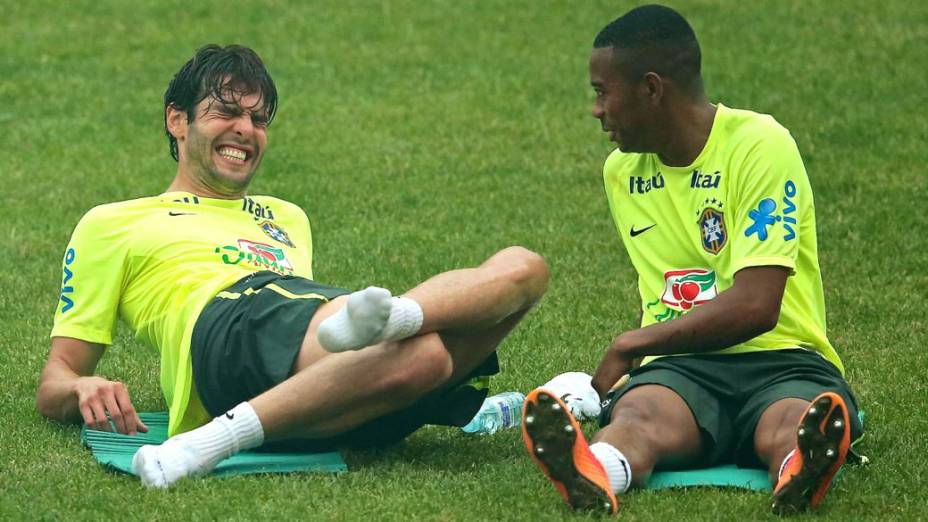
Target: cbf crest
<point x="276" y="233"/>
<point x="712" y="227"/>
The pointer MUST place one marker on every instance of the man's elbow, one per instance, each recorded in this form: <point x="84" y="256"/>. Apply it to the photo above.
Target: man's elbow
<point x="764" y="318"/>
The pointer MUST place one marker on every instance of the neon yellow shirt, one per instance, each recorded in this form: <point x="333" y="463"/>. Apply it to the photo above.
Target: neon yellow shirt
<point x="157" y="261"/>
<point x="744" y="201"/>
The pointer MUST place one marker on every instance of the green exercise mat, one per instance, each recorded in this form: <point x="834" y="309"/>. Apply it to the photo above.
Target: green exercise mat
<point x="720" y="476"/>
<point x="116" y="451"/>
<point x="730" y="475"/>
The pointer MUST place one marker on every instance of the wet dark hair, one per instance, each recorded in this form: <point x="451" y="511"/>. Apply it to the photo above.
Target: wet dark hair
<point x="226" y="73"/>
<point x="659" y="40"/>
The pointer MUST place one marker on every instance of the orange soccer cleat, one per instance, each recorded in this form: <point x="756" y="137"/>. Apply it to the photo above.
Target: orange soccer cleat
<point x="823" y="439"/>
<point x="557" y="445"/>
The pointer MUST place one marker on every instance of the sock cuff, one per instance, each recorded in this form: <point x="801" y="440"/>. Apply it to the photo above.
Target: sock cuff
<point x="244" y="425"/>
<point x="615" y="464"/>
<point x="405" y="319"/>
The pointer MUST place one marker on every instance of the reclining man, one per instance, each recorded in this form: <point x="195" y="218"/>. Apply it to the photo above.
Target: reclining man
<point x="715" y="209"/>
<point x="220" y="282"/>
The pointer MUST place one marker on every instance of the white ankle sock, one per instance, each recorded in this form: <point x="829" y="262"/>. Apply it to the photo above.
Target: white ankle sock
<point x="616" y="465"/>
<point x="198" y="451"/>
<point x="370" y="316"/>
<point x="785" y="461"/>
<point x="405" y="319"/>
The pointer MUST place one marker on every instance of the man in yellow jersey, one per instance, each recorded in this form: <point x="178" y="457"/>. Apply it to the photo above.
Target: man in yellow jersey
<point x="220" y="282"/>
<point x="715" y="210"/>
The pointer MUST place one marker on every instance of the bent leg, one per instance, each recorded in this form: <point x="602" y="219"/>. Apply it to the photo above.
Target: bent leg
<point x="775" y="435"/>
<point x="467" y="313"/>
<point x="653" y="426"/>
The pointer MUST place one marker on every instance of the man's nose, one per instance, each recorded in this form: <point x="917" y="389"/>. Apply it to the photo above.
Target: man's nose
<point x="598" y="111"/>
<point x="243" y="125"/>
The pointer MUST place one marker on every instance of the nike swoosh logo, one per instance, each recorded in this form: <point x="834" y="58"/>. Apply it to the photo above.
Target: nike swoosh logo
<point x="230" y="416"/>
<point x="181" y="213"/>
<point x="634" y="232"/>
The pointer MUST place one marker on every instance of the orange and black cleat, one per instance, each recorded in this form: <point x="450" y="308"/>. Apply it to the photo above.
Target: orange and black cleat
<point x="823" y="439"/>
<point x="556" y="443"/>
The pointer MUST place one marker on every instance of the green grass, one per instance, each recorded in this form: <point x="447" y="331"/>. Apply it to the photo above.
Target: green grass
<point x="424" y="136"/>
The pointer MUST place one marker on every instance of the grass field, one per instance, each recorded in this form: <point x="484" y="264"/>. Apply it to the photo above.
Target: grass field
<point x="422" y="136"/>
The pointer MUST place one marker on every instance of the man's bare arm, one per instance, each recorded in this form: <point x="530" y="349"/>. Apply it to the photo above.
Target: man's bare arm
<point x="69" y="392"/>
<point x="744" y="311"/>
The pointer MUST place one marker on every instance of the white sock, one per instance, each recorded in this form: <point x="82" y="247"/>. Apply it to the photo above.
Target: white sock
<point x="370" y="316"/>
<point x="405" y="319"/>
<point x="198" y="451"/>
<point x="616" y="465"/>
<point x="785" y="461"/>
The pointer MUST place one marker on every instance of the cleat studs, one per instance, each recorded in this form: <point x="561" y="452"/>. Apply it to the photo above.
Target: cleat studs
<point x="838" y="424"/>
<point x="556" y="407"/>
<point x="569" y="428"/>
<point x="608" y="506"/>
<point x="830" y="453"/>
<point x="801" y="432"/>
<point x="529" y="419"/>
<point x="813" y="410"/>
<point x="539" y="450"/>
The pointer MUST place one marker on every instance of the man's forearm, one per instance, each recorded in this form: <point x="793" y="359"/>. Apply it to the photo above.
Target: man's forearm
<point x="727" y="320"/>
<point x="56" y="397"/>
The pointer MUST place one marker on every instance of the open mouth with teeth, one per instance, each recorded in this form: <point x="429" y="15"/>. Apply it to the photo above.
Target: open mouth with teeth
<point x="233" y="154"/>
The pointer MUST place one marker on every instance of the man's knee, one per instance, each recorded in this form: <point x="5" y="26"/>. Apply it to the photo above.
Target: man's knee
<point x="658" y="420"/>
<point x="775" y="434"/>
<point x="524" y="268"/>
<point x="426" y="365"/>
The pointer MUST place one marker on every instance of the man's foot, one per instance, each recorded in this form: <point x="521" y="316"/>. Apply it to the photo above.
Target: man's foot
<point x="824" y="436"/>
<point x="361" y="322"/>
<point x="558" y="447"/>
<point x="160" y="466"/>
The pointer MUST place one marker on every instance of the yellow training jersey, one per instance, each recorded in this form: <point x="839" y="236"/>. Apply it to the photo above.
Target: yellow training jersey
<point x="157" y="261"/>
<point x="744" y="201"/>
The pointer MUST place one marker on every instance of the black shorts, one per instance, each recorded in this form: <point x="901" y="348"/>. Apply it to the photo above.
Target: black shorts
<point x="728" y="393"/>
<point x="247" y="338"/>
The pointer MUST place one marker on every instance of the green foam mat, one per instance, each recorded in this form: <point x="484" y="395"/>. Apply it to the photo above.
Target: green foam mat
<point x="720" y="476"/>
<point x="728" y="475"/>
<point x="115" y="450"/>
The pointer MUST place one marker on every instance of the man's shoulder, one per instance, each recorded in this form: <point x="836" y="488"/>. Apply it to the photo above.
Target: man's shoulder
<point x="747" y="127"/>
<point x="117" y="209"/>
<point x="279" y="206"/>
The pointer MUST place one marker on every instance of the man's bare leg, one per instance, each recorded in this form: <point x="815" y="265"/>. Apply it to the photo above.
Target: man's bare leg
<point x="650" y="425"/>
<point x="331" y="393"/>
<point x="775" y="434"/>
<point x="467" y="313"/>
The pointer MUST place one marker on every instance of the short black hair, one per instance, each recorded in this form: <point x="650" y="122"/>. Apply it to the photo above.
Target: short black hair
<point x="233" y="70"/>
<point x="660" y="41"/>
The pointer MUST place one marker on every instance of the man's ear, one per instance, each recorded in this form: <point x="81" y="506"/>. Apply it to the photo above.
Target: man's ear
<point x="653" y="86"/>
<point x="176" y="121"/>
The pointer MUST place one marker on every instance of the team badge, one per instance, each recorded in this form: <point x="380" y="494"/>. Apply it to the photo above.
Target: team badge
<point x="276" y="233"/>
<point x="712" y="229"/>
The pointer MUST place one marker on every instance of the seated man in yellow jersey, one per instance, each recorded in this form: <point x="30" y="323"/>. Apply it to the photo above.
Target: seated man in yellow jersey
<point x="221" y="284"/>
<point x="715" y="210"/>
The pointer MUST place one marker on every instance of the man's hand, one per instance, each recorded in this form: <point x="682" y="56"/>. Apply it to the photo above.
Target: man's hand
<point x="100" y="401"/>
<point x="614" y="365"/>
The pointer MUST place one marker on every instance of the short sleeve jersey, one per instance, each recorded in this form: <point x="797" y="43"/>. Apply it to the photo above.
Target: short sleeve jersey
<point x="745" y="201"/>
<point x="155" y="262"/>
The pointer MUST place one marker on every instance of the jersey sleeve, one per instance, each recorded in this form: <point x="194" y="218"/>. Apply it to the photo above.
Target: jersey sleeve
<point x="92" y="281"/>
<point x="773" y="197"/>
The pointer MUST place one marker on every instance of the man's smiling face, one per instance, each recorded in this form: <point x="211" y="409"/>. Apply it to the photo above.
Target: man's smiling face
<point x="222" y="147"/>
